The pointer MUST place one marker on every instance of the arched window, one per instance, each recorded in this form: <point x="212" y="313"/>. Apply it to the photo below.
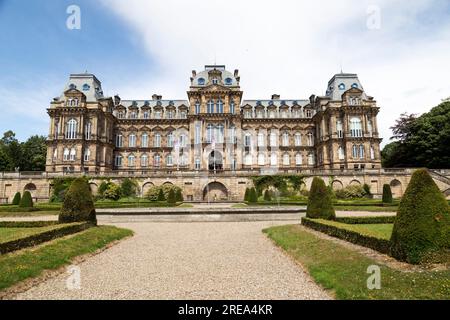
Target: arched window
<point x="342" y="86"/>
<point x="132" y="141"/>
<point x="183" y="140"/>
<point x="201" y="81"/>
<point x="157" y="142"/>
<point x="131" y="160"/>
<point x="247" y="139"/>
<point x="298" y="139"/>
<point x="311" y="159"/>
<point x="157" y="160"/>
<point x="286" y="159"/>
<point x="273" y="139"/>
<point x="219" y="106"/>
<point x="170" y="139"/>
<point x="220" y="133"/>
<point x="285" y="139"/>
<point x="87" y="130"/>
<point x="355" y="151"/>
<point x="209" y="133"/>
<point x="210" y="106"/>
<point x="298" y="159"/>
<point x="310" y="139"/>
<point x="198" y="133"/>
<point x="261" y="139"/>
<point x="361" y="151"/>
<point x="261" y="159"/>
<point x="144" y="160"/>
<point x="169" y="160"/>
<point x="228" y="81"/>
<point x="87" y="154"/>
<point x="341" y="154"/>
<point x="73" y="154"/>
<point x="273" y="159"/>
<point x="355" y="127"/>
<point x="71" y="129"/>
<point x="144" y="140"/>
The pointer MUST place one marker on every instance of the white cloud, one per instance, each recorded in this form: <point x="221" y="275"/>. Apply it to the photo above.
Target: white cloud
<point x="293" y="48"/>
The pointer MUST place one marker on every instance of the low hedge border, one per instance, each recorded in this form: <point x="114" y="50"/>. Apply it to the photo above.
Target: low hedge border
<point x="26" y="224"/>
<point x="18" y="209"/>
<point x="366" y="220"/>
<point x="39" y="238"/>
<point x="380" y="245"/>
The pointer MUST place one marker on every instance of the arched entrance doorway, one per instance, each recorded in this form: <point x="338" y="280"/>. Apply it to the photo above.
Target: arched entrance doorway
<point x="215" y="191"/>
<point x="215" y="161"/>
<point x="396" y="187"/>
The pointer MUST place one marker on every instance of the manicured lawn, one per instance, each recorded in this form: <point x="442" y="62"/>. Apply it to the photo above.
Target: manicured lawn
<point x="381" y="231"/>
<point x="344" y="271"/>
<point x="28" y="214"/>
<point x="365" y="208"/>
<point x="27" y="263"/>
<point x="10" y="234"/>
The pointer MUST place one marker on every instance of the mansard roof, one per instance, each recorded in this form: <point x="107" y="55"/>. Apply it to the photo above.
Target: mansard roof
<point x="276" y="102"/>
<point x="86" y="83"/>
<point x="154" y="103"/>
<point x="342" y="82"/>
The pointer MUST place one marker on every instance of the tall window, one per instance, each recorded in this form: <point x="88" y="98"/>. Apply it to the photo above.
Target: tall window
<point x="261" y="159"/>
<point x="311" y="159"/>
<point x="157" y="160"/>
<point x="183" y="115"/>
<point x="286" y="159"/>
<point x="55" y="154"/>
<point x="118" y="161"/>
<point x="87" y="154"/>
<point x="197" y="164"/>
<point x="170" y="140"/>
<point x="56" y="129"/>
<point x="248" y="159"/>
<point x="197" y="133"/>
<point x="157" y="114"/>
<point x="261" y="138"/>
<point x="298" y="159"/>
<point x="87" y="130"/>
<point x="71" y="129"/>
<point x="248" y="114"/>
<point x="356" y="127"/>
<point x="220" y="133"/>
<point x="298" y="139"/>
<point x="133" y="115"/>
<point x="233" y="134"/>
<point x="144" y="160"/>
<point x="170" y="114"/>
<point x="144" y="140"/>
<point x="273" y="159"/>
<point x="132" y="141"/>
<point x="169" y="160"/>
<point x="369" y="127"/>
<point x="310" y="139"/>
<point x="210" y="107"/>
<point x="183" y="140"/>
<point x="339" y="129"/>
<point x="182" y="161"/>
<point x="247" y="140"/>
<point x="197" y="107"/>
<point x="273" y="139"/>
<point x="146" y="115"/>
<point x="209" y="133"/>
<point x="309" y="113"/>
<point x="285" y="139"/>
<point x="232" y="107"/>
<point x="355" y="151"/>
<point x="131" y="160"/>
<point x="372" y="153"/>
<point x="73" y="154"/>
<point x="219" y="106"/>
<point x="361" y="151"/>
<point x="341" y="153"/>
<point x="119" y="141"/>
<point x="66" y="154"/>
<point x="157" y="142"/>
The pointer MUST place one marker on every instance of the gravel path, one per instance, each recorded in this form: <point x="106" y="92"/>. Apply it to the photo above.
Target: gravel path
<point x="214" y="260"/>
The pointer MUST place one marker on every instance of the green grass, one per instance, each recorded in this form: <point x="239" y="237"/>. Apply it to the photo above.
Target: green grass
<point x="344" y="271"/>
<point x="381" y="231"/>
<point x="365" y="208"/>
<point x="27" y="263"/>
<point x="10" y="234"/>
<point x="28" y="214"/>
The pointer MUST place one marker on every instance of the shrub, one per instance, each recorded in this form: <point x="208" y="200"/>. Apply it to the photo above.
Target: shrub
<point x="26" y="201"/>
<point x="350" y="192"/>
<point x="178" y="195"/>
<point x="128" y="188"/>
<point x="103" y="187"/>
<point x="171" y="198"/>
<point x="78" y="205"/>
<point x="252" y="197"/>
<point x="154" y="193"/>
<point x="422" y="227"/>
<point x="247" y="194"/>
<point x="387" y="194"/>
<point x="60" y="186"/>
<point x="366" y="189"/>
<point x="161" y="196"/>
<point x="319" y="202"/>
<point x="366" y="220"/>
<point x="267" y="196"/>
<point x="112" y="192"/>
<point x="16" y="199"/>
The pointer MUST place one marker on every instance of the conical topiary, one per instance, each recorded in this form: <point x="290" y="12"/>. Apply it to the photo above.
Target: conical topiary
<point x="247" y="194"/>
<point x="78" y="205"/>
<point x="252" y="197"/>
<point x="422" y="227"/>
<point x="179" y="196"/>
<point x="26" y="201"/>
<point x="16" y="199"/>
<point x="319" y="201"/>
<point x="171" y="197"/>
<point x="161" y="196"/>
<point x="387" y="194"/>
<point x="267" y="196"/>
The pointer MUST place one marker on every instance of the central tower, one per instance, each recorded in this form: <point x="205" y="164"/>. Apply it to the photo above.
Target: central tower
<point x="215" y="119"/>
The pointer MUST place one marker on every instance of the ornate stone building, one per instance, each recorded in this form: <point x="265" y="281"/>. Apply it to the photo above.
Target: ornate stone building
<point x="214" y="131"/>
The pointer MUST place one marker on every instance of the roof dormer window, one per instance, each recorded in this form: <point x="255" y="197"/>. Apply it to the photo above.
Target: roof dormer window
<point x="215" y="81"/>
<point x="355" y="85"/>
<point x="342" y="86"/>
<point x="72" y="86"/>
<point x="86" y="87"/>
<point x="201" y="82"/>
<point x="228" y="81"/>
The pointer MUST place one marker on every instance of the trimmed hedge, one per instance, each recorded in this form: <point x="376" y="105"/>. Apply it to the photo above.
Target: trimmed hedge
<point x="366" y="220"/>
<point x="26" y="224"/>
<point x="387" y="194"/>
<point x="267" y="196"/>
<point x="380" y="245"/>
<point x="171" y="198"/>
<point x="421" y="231"/>
<point x="319" y="202"/>
<point x="39" y="238"/>
<point x="246" y="195"/>
<point x="26" y="201"/>
<point x="18" y="209"/>
<point x="16" y="199"/>
<point x="252" y="196"/>
<point x="78" y="205"/>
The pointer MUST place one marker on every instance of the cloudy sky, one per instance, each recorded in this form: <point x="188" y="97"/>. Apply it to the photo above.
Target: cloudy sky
<point x="400" y="50"/>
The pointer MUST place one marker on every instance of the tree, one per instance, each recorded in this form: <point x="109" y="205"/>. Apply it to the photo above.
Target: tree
<point x="422" y="226"/>
<point x="128" y="188"/>
<point x="247" y="194"/>
<point x="253" y="197"/>
<point x="161" y="196"/>
<point x="179" y="195"/>
<point x="267" y="196"/>
<point x="16" y="199"/>
<point x="78" y="205"/>
<point x="26" y="201"/>
<point x="319" y="202"/>
<point x="366" y="188"/>
<point x="403" y="125"/>
<point x="387" y="194"/>
<point x="34" y="153"/>
<point x="112" y="192"/>
<point x="171" y="198"/>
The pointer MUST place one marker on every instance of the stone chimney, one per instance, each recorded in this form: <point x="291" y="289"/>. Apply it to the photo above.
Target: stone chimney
<point x="275" y="97"/>
<point x="156" y="97"/>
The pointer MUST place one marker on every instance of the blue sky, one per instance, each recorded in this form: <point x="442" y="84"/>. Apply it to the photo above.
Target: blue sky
<point x="137" y="48"/>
